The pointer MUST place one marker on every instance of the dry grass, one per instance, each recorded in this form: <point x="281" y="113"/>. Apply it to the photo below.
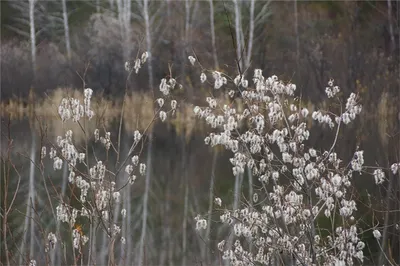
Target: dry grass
<point x="139" y="110"/>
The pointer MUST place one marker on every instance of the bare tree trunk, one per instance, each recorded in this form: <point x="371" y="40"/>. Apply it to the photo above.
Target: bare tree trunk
<point x="111" y="3"/>
<point x="187" y="44"/>
<point x="148" y="42"/>
<point x="146" y="200"/>
<point x="389" y="11"/>
<point x="171" y="242"/>
<point x="97" y="6"/>
<point x="214" y="48"/>
<point x="31" y="196"/>
<point x="32" y="34"/>
<point x="385" y="235"/>
<point x="127" y="26"/>
<point x="66" y="29"/>
<point x="124" y="26"/>
<point x="187" y="20"/>
<point x="186" y="204"/>
<point x="166" y="242"/>
<point x="126" y="227"/>
<point x="91" y="260"/>
<point x="251" y="192"/>
<point x="4" y="184"/>
<point x="119" y="7"/>
<point x="56" y="255"/>
<point x="120" y="19"/>
<point x="124" y="18"/>
<point x="251" y="34"/>
<point x="30" y="204"/>
<point x="238" y="189"/>
<point x="163" y="242"/>
<point x="296" y="30"/>
<point x="168" y="9"/>
<point x="207" y="257"/>
<point x="103" y="247"/>
<point x="236" y="202"/>
<point x="149" y="161"/>
<point x="120" y="179"/>
<point x="238" y="30"/>
<point x="184" y="224"/>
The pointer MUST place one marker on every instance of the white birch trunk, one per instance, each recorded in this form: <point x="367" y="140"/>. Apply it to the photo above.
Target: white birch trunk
<point x="148" y="41"/>
<point x="32" y="34"/>
<point x="56" y="255"/>
<point x="31" y="196"/>
<point x="251" y="192"/>
<point x="186" y="202"/>
<point x="238" y="33"/>
<point x="66" y="29"/>
<point x="120" y="180"/>
<point x="251" y="35"/>
<point x="238" y="189"/>
<point x="91" y="260"/>
<point x="127" y="28"/>
<point x="149" y="158"/>
<point x="119" y="7"/>
<point x="389" y="12"/>
<point x="184" y="224"/>
<point x="187" y="43"/>
<point x="207" y="257"/>
<point x="120" y="13"/>
<point x="168" y="9"/>
<point x="111" y="3"/>
<point x="384" y="241"/>
<point x="103" y="248"/>
<point x="30" y="205"/>
<point x="146" y="200"/>
<point x="214" y="48"/>
<point x="236" y="201"/>
<point x="163" y="242"/>
<point x="171" y="243"/>
<point x="124" y="18"/>
<point x="187" y="21"/>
